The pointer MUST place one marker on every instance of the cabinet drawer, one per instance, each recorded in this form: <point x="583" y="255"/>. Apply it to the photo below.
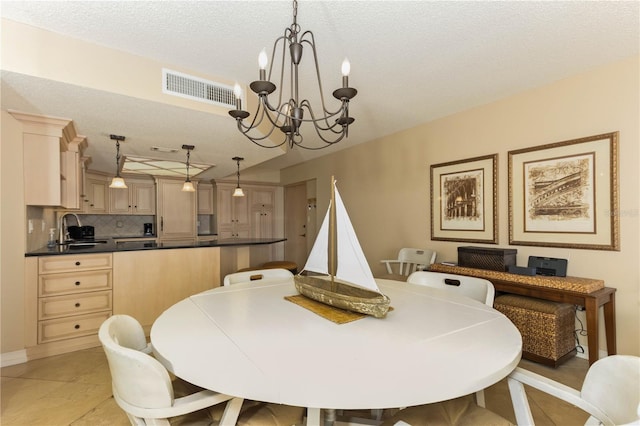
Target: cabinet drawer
<point x="59" y="284"/>
<point x="67" y="328"/>
<point x="68" y="263"/>
<point x="74" y="304"/>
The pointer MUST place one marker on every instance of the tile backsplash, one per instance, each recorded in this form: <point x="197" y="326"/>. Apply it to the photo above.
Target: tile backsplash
<point x="117" y="225"/>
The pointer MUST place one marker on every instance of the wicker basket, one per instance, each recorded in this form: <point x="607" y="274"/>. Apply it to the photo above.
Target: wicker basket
<point x="495" y="259"/>
<point x="546" y="327"/>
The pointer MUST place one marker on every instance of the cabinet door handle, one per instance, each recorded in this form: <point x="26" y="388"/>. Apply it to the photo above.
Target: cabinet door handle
<point x="77" y="326"/>
<point x="77" y="305"/>
<point x="77" y="263"/>
<point x="162" y="223"/>
<point x="77" y="282"/>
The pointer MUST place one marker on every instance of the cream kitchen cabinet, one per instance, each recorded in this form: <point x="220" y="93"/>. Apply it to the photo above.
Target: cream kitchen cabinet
<point x="205" y="199"/>
<point x="147" y="282"/>
<point x="248" y="216"/>
<point x="51" y="152"/>
<point x="67" y="298"/>
<point x="233" y="213"/>
<point x="139" y="198"/>
<point x="176" y="211"/>
<point x="262" y="211"/>
<point x="96" y="195"/>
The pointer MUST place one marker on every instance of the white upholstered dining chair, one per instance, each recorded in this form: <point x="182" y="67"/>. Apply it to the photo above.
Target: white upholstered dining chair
<point x="143" y="389"/>
<point x="476" y="288"/>
<point x="257" y="276"/>
<point x="610" y="393"/>
<point x="142" y="386"/>
<point x="410" y="260"/>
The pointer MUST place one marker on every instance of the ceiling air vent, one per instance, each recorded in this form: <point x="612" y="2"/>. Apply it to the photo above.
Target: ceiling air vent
<point x="198" y="89"/>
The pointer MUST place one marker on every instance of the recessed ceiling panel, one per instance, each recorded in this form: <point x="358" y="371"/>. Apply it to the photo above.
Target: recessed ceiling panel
<point x="155" y="167"/>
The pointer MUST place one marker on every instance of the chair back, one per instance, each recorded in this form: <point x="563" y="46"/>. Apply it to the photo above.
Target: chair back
<point x="612" y="384"/>
<point x="411" y="259"/>
<point x="137" y="378"/>
<point x="258" y="276"/>
<point x="475" y="288"/>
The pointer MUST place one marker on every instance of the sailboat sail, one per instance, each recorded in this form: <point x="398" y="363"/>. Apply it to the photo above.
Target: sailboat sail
<point x="352" y="265"/>
<point x="346" y="281"/>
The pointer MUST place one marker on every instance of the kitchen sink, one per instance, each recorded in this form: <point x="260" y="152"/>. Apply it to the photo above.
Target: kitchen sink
<point x="84" y="243"/>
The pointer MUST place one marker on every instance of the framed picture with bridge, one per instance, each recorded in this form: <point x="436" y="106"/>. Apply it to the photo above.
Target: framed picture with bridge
<point x="565" y="194"/>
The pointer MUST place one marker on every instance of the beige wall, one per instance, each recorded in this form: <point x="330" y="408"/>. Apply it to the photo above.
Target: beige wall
<point x="12" y="232"/>
<point x="385" y="183"/>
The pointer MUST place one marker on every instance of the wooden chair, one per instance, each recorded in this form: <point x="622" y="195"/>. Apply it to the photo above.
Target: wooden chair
<point x="610" y="393"/>
<point x="410" y="260"/>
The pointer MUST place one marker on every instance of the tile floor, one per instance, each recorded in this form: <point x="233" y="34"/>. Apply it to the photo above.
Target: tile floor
<point x="75" y="389"/>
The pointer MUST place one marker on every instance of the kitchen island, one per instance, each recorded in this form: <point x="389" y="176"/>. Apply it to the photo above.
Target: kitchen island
<point x="70" y="291"/>
<point x="111" y="245"/>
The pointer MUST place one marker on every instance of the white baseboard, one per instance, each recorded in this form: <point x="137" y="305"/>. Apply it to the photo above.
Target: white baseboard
<point x="585" y="355"/>
<point x="13" y="358"/>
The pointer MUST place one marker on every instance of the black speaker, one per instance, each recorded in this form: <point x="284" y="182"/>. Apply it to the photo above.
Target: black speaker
<point x="548" y="266"/>
<point x="522" y="270"/>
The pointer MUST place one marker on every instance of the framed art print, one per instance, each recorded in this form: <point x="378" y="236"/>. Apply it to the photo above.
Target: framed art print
<point x="565" y="194"/>
<point x="463" y="200"/>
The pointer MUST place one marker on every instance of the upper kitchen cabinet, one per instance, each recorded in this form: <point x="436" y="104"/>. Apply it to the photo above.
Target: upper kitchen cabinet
<point x="234" y="217"/>
<point x="262" y="212"/>
<point x="96" y="194"/>
<point x="176" y="210"/>
<point x="139" y="198"/>
<point x="52" y="167"/>
<point x="206" y="204"/>
<point x="248" y="216"/>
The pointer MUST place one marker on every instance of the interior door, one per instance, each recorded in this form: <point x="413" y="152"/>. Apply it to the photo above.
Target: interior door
<point x="295" y="224"/>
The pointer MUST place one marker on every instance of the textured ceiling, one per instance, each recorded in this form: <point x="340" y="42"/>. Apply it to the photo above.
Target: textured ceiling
<point x="412" y="62"/>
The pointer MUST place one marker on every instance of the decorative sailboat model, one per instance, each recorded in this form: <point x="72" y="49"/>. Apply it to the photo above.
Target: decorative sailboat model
<point x="346" y="280"/>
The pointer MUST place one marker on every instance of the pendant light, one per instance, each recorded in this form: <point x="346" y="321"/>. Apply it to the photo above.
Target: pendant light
<point x="188" y="185"/>
<point x="238" y="191"/>
<point x="117" y="181"/>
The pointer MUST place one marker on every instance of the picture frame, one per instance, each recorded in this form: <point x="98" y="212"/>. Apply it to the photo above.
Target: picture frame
<point x="565" y="194"/>
<point x="464" y="204"/>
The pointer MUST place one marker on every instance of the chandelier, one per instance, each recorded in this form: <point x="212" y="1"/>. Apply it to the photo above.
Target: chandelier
<point x="288" y="113"/>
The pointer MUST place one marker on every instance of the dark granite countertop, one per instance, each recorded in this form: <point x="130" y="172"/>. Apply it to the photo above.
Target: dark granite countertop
<point x="109" y="246"/>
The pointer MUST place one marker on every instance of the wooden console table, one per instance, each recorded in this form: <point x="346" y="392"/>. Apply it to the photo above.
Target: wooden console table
<point x="587" y="292"/>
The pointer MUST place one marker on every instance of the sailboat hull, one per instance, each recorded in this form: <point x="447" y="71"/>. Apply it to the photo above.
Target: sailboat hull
<point x="343" y="295"/>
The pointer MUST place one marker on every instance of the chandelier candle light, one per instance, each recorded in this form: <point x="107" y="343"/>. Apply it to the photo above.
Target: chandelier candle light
<point x="188" y="185"/>
<point x="238" y="191"/>
<point x="288" y="113"/>
<point x="117" y="182"/>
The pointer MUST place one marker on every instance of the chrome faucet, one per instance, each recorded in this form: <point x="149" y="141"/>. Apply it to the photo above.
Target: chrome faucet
<point x="62" y="229"/>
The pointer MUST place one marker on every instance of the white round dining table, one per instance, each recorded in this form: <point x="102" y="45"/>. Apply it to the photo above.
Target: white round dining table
<point x="246" y="340"/>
